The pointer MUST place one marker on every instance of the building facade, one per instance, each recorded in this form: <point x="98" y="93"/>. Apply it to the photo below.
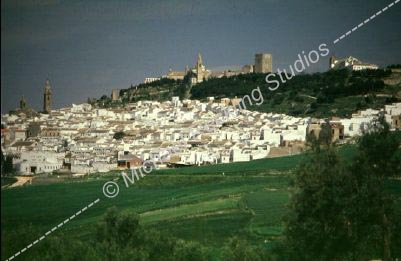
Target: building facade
<point x="351" y="63"/>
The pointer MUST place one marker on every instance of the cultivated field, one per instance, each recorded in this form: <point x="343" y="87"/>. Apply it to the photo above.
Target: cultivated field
<point x="207" y="204"/>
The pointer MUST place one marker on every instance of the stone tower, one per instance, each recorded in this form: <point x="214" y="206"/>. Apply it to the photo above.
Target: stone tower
<point x="22" y="103"/>
<point x="263" y="63"/>
<point x="200" y="68"/>
<point x="47" y="101"/>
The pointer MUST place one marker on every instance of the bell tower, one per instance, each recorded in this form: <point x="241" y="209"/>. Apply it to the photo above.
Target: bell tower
<point x="200" y="68"/>
<point x="47" y="97"/>
<point x="22" y="103"/>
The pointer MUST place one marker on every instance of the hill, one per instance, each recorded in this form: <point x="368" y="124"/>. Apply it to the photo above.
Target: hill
<point x="332" y="93"/>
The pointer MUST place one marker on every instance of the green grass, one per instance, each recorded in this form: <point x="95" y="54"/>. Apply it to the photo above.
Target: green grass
<point x="268" y="206"/>
<point x="188" y="210"/>
<point x="194" y="203"/>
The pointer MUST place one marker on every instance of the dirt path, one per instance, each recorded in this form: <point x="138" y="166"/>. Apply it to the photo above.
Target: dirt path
<point x="21" y="181"/>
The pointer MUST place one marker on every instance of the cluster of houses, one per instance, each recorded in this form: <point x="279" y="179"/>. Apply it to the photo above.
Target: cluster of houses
<point x="83" y="139"/>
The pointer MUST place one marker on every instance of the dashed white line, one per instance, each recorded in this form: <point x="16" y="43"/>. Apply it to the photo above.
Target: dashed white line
<point x="365" y="22"/>
<point x="52" y="230"/>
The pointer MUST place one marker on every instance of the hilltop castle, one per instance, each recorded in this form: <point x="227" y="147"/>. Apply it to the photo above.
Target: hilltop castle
<point x="199" y="73"/>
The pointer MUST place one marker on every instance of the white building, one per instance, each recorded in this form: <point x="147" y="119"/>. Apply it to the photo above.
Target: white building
<point x="34" y="162"/>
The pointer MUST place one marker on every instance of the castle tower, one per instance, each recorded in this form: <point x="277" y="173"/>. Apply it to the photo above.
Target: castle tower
<point x="22" y="103"/>
<point x="263" y="63"/>
<point x="47" y="97"/>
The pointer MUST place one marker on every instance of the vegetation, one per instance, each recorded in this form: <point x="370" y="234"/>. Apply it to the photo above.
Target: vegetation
<point x="6" y="164"/>
<point x="118" y="135"/>
<point x="5" y="181"/>
<point x="160" y="90"/>
<point x="332" y="93"/>
<point x="221" y="212"/>
<point x="394" y="66"/>
<point x="341" y="210"/>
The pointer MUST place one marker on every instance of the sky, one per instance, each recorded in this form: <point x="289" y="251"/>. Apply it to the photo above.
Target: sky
<point x="87" y="48"/>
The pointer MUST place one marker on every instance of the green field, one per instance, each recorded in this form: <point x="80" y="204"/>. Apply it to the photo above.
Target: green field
<point x="194" y="203"/>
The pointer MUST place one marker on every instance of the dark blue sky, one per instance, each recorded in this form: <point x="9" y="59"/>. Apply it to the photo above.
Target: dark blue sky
<point x="87" y="48"/>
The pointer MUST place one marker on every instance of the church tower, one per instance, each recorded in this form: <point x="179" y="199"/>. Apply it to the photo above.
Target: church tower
<point x="22" y="103"/>
<point x="47" y="101"/>
<point x="199" y="69"/>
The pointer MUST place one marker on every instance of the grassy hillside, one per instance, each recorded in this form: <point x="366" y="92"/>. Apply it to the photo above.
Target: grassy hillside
<point x="332" y="93"/>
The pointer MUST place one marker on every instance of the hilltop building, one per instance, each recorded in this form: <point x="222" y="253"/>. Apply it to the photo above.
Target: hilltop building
<point x="199" y="73"/>
<point x="175" y="75"/>
<point x="23" y="109"/>
<point x="351" y="63"/>
<point x="151" y="79"/>
<point x="47" y="97"/>
<point x="263" y="63"/>
<point x="115" y="94"/>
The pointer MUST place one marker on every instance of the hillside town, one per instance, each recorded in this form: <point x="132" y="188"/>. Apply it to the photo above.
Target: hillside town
<point x="83" y="139"/>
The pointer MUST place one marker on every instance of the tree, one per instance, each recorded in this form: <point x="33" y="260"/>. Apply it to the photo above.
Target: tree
<point x="121" y="237"/>
<point x="374" y="209"/>
<point x="118" y="135"/>
<point x="317" y="228"/>
<point x="8" y="165"/>
<point x="3" y="160"/>
<point x="240" y="250"/>
<point x="342" y="210"/>
<point x="191" y="251"/>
